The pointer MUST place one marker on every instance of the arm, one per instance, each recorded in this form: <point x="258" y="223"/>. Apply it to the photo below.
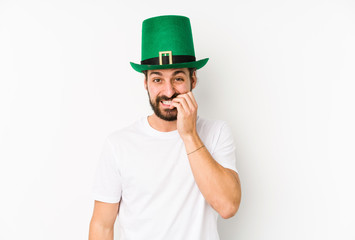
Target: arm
<point x="219" y="186"/>
<point x="103" y="220"/>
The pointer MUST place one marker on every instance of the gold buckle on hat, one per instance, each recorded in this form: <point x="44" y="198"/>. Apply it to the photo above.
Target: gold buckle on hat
<point x="165" y="53"/>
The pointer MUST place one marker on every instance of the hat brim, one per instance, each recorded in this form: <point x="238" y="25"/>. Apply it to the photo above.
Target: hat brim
<point x="197" y="64"/>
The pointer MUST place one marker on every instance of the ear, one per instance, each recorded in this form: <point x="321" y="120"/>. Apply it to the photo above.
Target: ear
<point x="145" y="84"/>
<point x="145" y="73"/>
<point x="194" y="80"/>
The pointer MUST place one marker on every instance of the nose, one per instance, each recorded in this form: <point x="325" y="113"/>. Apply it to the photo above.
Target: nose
<point x="169" y="89"/>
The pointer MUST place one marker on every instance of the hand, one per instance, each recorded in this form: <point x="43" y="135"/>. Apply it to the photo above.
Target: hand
<point x="186" y="106"/>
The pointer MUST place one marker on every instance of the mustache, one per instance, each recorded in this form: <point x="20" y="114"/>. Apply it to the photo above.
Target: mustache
<point x="166" y="98"/>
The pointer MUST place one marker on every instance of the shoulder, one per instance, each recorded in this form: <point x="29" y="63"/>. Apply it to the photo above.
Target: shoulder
<point x="210" y="125"/>
<point x="123" y="133"/>
<point x="212" y="131"/>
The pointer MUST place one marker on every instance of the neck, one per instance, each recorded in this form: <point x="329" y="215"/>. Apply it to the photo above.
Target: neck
<point x="161" y="125"/>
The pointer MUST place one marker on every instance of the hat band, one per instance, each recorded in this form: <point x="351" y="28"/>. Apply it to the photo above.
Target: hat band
<point x="165" y="60"/>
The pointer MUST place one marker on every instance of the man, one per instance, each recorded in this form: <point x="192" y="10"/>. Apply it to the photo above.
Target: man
<point x="168" y="175"/>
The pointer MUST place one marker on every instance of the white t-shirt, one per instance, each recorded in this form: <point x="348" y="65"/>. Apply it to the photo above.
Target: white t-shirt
<point x="149" y="172"/>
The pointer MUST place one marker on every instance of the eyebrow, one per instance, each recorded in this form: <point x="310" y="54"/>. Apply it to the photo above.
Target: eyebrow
<point x="157" y="73"/>
<point x="175" y="73"/>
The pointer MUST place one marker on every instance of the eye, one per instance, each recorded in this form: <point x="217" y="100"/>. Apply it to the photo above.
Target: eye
<point x="157" y="80"/>
<point x="179" y="79"/>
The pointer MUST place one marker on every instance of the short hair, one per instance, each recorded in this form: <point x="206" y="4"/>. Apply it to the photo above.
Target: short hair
<point x="191" y="71"/>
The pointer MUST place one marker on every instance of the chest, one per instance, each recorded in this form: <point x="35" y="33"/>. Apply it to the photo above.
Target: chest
<point x="153" y="170"/>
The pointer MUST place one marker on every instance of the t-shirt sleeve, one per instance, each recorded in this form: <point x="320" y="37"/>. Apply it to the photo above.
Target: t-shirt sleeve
<point x="107" y="184"/>
<point x="224" y="152"/>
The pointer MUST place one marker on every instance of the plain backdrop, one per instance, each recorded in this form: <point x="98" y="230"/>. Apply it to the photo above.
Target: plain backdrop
<point x="281" y="73"/>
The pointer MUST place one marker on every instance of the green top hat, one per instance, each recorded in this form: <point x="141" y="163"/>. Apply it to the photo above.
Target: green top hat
<point x="167" y="43"/>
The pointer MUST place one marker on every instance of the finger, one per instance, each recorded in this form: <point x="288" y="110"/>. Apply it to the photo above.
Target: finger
<point x="182" y="101"/>
<point x="189" y="102"/>
<point x="193" y="99"/>
<point x="179" y="108"/>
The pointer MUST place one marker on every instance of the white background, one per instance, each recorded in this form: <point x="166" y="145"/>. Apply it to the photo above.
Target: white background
<point x="281" y="73"/>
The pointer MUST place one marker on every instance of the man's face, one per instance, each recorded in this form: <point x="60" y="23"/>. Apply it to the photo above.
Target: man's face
<point x="165" y="84"/>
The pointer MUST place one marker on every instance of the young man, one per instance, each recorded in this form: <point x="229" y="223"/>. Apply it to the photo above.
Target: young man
<point x="168" y="175"/>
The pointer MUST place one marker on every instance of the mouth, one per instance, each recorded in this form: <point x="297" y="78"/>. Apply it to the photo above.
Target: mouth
<point x="167" y="104"/>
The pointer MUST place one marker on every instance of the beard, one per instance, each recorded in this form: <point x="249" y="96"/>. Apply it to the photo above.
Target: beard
<point x="165" y="114"/>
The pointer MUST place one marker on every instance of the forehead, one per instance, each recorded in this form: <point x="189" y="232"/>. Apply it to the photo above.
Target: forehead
<point x="168" y="72"/>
